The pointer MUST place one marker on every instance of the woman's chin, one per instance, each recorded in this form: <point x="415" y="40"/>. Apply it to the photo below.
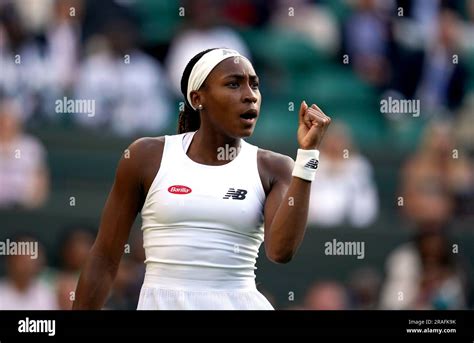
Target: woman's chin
<point x="247" y="132"/>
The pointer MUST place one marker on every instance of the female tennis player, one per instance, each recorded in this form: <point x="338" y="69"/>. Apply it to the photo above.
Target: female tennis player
<point x="202" y="214"/>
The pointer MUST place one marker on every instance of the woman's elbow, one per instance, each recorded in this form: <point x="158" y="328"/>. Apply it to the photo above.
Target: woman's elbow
<point x="279" y="257"/>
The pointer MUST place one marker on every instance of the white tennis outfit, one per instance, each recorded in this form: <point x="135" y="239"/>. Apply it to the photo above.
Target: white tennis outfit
<point x="202" y="229"/>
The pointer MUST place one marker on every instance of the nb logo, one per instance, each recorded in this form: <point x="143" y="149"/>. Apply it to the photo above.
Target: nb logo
<point x="235" y="194"/>
<point x="312" y="164"/>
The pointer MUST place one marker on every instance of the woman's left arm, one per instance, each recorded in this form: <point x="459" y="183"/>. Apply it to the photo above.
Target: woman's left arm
<point x="286" y="206"/>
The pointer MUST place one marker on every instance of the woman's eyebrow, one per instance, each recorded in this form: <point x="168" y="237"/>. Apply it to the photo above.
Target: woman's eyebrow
<point x="240" y="76"/>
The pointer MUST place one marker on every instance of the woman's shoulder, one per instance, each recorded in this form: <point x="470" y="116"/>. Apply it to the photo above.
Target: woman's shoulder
<point x="272" y="159"/>
<point x="274" y="166"/>
<point x="145" y="149"/>
<point x="146" y="145"/>
<point x="145" y="154"/>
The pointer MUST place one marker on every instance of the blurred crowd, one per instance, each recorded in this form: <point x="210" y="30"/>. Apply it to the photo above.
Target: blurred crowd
<point x="120" y="55"/>
<point x="33" y="284"/>
<point x="422" y="274"/>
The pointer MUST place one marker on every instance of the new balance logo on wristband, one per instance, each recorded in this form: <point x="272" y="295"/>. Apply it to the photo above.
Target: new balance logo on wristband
<point x="235" y="194"/>
<point x="312" y="164"/>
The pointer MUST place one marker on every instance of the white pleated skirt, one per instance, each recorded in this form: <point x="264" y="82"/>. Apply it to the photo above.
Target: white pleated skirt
<point x="159" y="293"/>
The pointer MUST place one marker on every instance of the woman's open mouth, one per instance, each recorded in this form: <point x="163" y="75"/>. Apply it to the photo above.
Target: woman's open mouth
<point x="249" y="117"/>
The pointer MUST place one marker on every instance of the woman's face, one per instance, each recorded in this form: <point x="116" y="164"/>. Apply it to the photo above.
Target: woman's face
<point x="230" y="98"/>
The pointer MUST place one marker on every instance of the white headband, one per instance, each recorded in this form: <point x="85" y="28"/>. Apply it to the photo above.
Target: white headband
<point x="204" y="66"/>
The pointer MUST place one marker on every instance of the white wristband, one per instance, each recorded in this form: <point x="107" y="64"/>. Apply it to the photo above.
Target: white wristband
<point x="306" y="164"/>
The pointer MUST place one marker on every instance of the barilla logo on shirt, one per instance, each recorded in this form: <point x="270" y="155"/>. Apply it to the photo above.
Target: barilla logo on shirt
<point x="178" y="189"/>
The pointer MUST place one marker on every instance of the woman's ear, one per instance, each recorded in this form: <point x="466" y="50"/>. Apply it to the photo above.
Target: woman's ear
<point x="196" y="99"/>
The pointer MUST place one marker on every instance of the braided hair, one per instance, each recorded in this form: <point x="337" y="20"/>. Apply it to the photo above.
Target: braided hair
<point x="189" y="119"/>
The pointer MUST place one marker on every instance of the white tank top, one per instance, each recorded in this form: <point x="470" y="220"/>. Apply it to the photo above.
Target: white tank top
<point x="202" y="225"/>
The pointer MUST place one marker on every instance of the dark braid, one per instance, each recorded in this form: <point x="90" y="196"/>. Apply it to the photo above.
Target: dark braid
<point x="189" y="119"/>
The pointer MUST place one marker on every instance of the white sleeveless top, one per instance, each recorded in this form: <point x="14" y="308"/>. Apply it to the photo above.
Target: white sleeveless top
<point x="203" y="225"/>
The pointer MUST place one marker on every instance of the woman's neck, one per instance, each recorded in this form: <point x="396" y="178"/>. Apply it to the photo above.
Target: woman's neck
<point x="212" y="148"/>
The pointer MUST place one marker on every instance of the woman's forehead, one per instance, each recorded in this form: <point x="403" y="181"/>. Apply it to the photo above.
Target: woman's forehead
<point x="233" y="65"/>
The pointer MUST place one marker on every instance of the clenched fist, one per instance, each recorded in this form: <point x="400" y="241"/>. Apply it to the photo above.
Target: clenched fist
<point x="313" y="123"/>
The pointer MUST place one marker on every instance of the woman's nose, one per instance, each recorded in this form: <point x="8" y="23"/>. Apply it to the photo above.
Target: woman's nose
<point x="250" y="95"/>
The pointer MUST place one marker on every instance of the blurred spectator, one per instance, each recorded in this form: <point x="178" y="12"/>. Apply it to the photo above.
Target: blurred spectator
<point x="368" y="40"/>
<point x="98" y="14"/>
<point x="202" y="32"/>
<point x="23" y="63"/>
<point x="62" y="39"/>
<point x="437" y="75"/>
<point x="74" y="249"/>
<point x="438" y="179"/>
<point x="364" y="288"/>
<point x="443" y="81"/>
<point x="35" y="15"/>
<point x="247" y="13"/>
<point x="127" y="86"/>
<point x="22" y="289"/>
<point x="424" y="274"/>
<point x="326" y="295"/>
<point x="443" y="280"/>
<point x="24" y="179"/>
<point x="313" y="21"/>
<point x="40" y="67"/>
<point x="122" y="295"/>
<point x="344" y="190"/>
<point x="422" y="18"/>
<point x="65" y="290"/>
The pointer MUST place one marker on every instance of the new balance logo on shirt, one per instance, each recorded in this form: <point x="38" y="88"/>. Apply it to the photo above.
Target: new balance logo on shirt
<point x="312" y="164"/>
<point x="235" y="194"/>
